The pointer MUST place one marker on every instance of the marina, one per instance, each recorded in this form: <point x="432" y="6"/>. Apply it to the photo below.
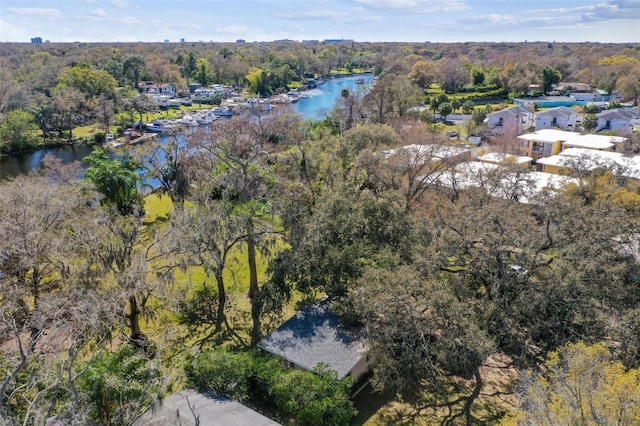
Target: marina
<point x="313" y="103"/>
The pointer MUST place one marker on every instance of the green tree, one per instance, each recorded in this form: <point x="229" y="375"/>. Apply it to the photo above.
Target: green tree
<point x="134" y="67"/>
<point x="589" y="122"/>
<point x="422" y="74"/>
<point x="438" y="100"/>
<point x="468" y="106"/>
<point x="18" y="132"/>
<point x="259" y="82"/>
<point x="42" y="116"/>
<point x="116" y="69"/>
<point x="92" y="83"/>
<point x="115" y="179"/>
<point x="550" y="76"/>
<point x="119" y="385"/>
<point x="203" y="72"/>
<point x="142" y="103"/>
<point x="455" y="104"/>
<point x="445" y="109"/>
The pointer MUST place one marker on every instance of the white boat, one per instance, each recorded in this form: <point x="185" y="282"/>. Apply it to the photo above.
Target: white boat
<point x="223" y="111"/>
<point x="187" y="120"/>
<point x="160" y="126"/>
<point x="205" y="117"/>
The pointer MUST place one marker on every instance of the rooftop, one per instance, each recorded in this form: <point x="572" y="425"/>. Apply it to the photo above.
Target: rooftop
<point x="499" y="158"/>
<point x="629" y="166"/>
<point x="210" y="409"/>
<point x="576" y="139"/>
<point x="315" y="335"/>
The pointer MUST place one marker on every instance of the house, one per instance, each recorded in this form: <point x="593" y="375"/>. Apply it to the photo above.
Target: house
<point x="548" y="142"/>
<point x="590" y="160"/>
<point x="503" y="159"/>
<point x="617" y="119"/>
<point x="542" y="143"/>
<point x="517" y="118"/>
<point x="315" y="335"/>
<point x="561" y="117"/>
<point x="190" y="408"/>
<point x="499" y="158"/>
<point x="151" y="88"/>
<point x="594" y="142"/>
<point x="575" y="87"/>
<point x="519" y="184"/>
<point x="597" y="95"/>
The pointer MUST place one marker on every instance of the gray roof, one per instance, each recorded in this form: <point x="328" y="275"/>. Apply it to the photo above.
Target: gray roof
<point x="315" y="335"/>
<point x="616" y="114"/>
<point x="176" y="410"/>
<point x="561" y="110"/>
<point x="513" y="110"/>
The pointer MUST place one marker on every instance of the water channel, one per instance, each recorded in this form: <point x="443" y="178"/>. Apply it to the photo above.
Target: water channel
<point x="314" y="105"/>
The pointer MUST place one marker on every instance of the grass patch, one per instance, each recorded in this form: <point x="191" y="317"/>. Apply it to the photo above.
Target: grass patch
<point x="157" y="207"/>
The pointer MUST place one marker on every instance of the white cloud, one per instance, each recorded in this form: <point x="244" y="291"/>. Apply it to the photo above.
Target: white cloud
<point x="36" y="11"/>
<point x="334" y="16"/>
<point x="99" y="12"/>
<point x="234" y="29"/>
<point x="129" y="20"/>
<point x="13" y="32"/>
<point x="120" y="4"/>
<point x="414" y="6"/>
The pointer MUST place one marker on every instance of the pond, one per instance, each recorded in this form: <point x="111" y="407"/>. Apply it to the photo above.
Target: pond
<point x="315" y="104"/>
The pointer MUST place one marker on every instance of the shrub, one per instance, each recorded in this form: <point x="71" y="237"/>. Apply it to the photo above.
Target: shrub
<point x="307" y="398"/>
<point x="315" y="399"/>
<point x="224" y="372"/>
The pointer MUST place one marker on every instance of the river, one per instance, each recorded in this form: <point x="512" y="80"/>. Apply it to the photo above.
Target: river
<point x="314" y="105"/>
<point x="318" y="102"/>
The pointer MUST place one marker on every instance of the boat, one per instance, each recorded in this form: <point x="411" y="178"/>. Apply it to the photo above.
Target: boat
<point x="259" y="104"/>
<point x="293" y="96"/>
<point x="187" y="120"/>
<point x="205" y="117"/>
<point x="160" y="126"/>
<point x="223" y="111"/>
<point x="360" y="80"/>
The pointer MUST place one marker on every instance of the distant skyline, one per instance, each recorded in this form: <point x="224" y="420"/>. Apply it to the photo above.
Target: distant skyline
<point x="615" y="21"/>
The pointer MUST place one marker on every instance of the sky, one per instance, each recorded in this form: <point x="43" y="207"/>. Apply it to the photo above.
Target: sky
<point x="605" y="21"/>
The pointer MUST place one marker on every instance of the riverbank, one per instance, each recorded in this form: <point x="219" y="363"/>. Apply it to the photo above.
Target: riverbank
<point x="53" y="145"/>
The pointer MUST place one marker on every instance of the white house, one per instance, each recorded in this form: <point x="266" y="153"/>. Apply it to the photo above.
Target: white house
<point x="616" y="119"/>
<point x="562" y="117"/>
<point x="515" y="118"/>
<point x="151" y="88"/>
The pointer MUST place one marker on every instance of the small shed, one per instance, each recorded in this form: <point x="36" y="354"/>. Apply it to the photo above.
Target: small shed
<point x="315" y="335"/>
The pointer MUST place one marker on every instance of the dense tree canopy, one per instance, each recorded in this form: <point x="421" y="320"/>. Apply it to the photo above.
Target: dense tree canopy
<point x="108" y="295"/>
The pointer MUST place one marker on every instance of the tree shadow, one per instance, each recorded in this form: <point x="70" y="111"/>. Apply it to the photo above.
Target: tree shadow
<point x="368" y="402"/>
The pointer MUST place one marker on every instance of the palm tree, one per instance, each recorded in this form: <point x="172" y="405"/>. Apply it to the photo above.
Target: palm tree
<point x="42" y="116"/>
<point x="116" y="179"/>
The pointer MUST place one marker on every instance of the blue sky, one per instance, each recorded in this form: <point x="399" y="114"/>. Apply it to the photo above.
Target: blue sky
<point x="360" y="20"/>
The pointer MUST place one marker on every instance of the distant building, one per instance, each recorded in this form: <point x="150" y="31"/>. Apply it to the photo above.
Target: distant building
<point x="311" y="41"/>
<point x="36" y="40"/>
<point x="240" y="41"/>
<point x="336" y="41"/>
<point x="182" y="40"/>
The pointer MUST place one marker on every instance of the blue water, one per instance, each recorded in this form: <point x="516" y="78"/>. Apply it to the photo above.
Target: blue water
<point x="319" y="102"/>
<point x="316" y="104"/>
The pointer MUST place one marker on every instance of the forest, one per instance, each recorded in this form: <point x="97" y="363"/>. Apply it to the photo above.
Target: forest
<point x="477" y="308"/>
